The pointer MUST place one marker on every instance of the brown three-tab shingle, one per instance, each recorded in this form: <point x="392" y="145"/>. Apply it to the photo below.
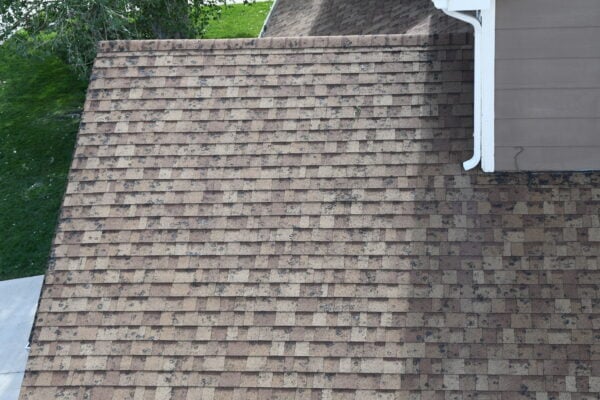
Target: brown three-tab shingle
<point x="288" y="218"/>
<point x="358" y="17"/>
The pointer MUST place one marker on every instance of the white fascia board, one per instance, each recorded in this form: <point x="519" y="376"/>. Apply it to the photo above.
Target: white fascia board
<point x="462" y="5"/>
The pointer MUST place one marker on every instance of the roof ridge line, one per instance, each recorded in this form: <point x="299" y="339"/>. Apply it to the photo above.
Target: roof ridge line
<point x="287" y="42"/>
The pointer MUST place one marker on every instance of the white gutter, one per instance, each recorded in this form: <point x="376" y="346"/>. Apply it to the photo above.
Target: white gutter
<point x="483" y="22"/>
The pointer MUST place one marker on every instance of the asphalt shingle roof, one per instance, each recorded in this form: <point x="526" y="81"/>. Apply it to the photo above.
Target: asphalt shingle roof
<point x="288" y="218"/>
<point x="359" y="17"/>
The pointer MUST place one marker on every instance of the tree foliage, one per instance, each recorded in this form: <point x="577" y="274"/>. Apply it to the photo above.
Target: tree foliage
<point x="72" y="28"/>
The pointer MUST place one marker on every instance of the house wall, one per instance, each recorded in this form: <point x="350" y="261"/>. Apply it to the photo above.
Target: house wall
<point x="547" y="85"/>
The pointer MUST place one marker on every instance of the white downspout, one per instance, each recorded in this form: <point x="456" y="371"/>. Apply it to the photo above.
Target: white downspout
<point x="484" y="53"/>
<point x="477" y="87"/>
<point x="488" y="87"/>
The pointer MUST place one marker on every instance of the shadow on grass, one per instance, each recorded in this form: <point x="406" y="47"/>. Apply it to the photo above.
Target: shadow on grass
<point x="40" y="105"/>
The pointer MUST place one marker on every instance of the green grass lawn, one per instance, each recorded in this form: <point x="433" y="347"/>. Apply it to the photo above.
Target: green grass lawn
<point x="40" y="104"/>
<point x="239" y="21"/>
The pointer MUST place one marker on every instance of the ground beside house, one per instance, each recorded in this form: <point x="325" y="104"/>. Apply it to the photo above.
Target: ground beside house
<point x="18" y="304"/>
<point x="239" y="20"/>
<point x="40" y="103"/>
<point x="288" y="218"/>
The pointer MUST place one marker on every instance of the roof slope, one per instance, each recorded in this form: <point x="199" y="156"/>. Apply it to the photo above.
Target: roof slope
<point x="288" y="218"/>
<point x="359" y="17"/>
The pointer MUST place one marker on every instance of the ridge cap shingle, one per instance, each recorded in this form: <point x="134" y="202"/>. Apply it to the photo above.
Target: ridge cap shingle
<point x="286" y="42"/>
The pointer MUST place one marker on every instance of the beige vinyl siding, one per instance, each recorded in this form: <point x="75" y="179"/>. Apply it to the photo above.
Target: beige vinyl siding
<point x="547" y="85"/>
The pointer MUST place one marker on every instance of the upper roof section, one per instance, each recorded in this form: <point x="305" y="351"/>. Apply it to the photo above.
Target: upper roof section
<point x="358" y="17"/>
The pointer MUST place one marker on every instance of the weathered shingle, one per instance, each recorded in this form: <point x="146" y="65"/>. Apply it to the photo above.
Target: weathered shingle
<point x="291" y="18"/>
<point x="285" y="218"/>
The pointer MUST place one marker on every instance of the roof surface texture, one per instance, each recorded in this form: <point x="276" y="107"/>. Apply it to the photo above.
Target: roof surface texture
<point x="359" y="17"/>
<point x="288" y="218"/>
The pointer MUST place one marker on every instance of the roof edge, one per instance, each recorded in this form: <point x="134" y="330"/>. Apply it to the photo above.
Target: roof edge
<point x="464" y="38"/>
